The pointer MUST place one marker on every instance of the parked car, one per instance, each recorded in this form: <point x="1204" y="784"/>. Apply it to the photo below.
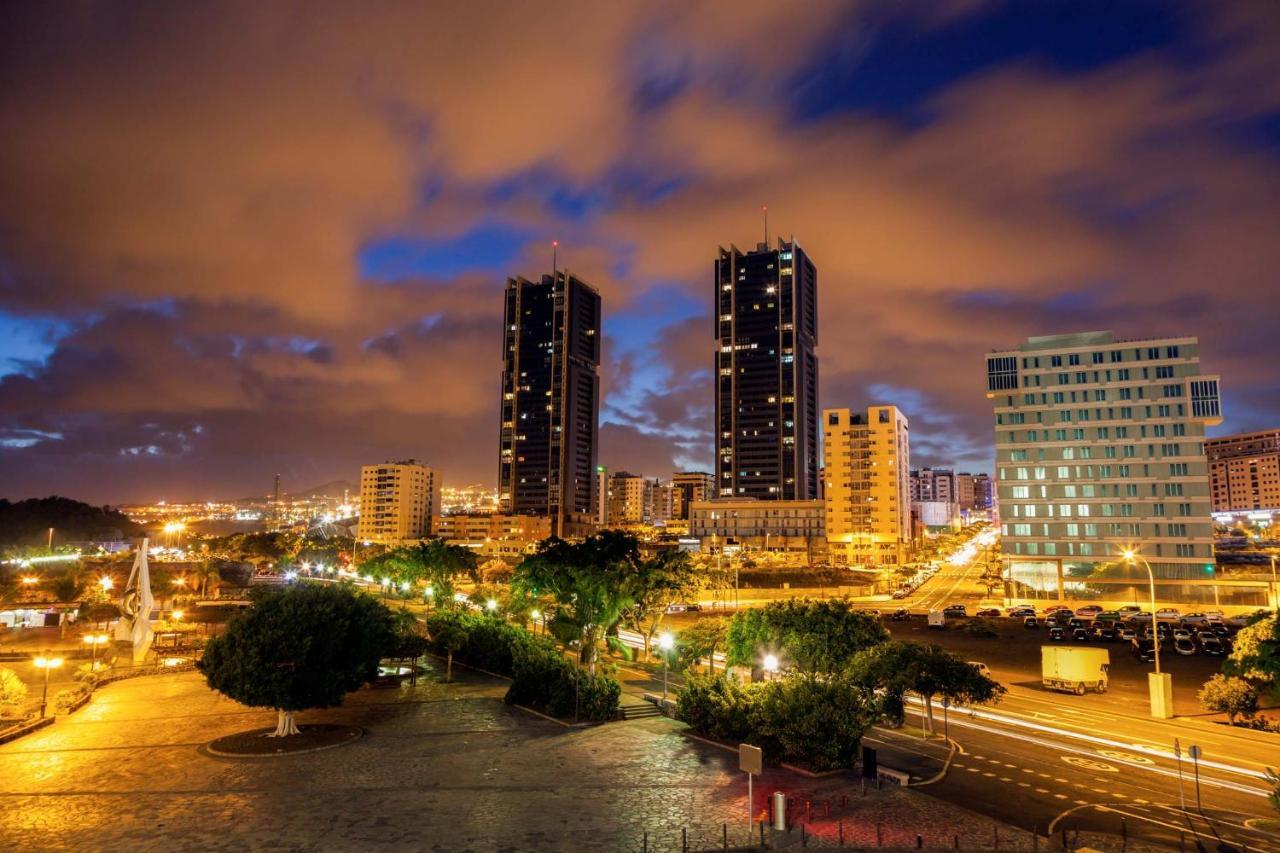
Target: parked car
<point x="1031" y="622"/>
<point x="1080" y="635"/>
<point x="1184" y="646"/>
<point x="988" y="613"/>
<point x="1113" y="615"/>
<point x="1194" y="619"/>
<point x="1220" y="630"/>
<point x="1088" y="610"/>
<point x="1144" y="650"/>
<point x="955" y="610"/>
<point x="1210" y="644"/>
<point x="901" y="593"/>
<point x="1054" y="608"/>
<point x="900" y="615"/>
<point x="1056" y="633"/>
<point x="981" y="667"/>
<point x="1128" y="634"/>
<point x="1020" y="611"/>
<point x="1181" y="634"/>
<point x="1167" y="613"/>
<point x="1105" y="631"/>
<point x="1076" y="623"/>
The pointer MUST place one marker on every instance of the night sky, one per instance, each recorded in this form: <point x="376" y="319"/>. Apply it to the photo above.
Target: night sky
<point x="242" y="238"/>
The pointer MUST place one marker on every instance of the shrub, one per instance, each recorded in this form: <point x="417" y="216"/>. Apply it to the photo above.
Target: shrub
<point x="819" y="723"/>
<point x="717" y="707"/>
<point x="1229" y="695"/>
<point x="65" y="700"/>
<point x="13" y="693"/>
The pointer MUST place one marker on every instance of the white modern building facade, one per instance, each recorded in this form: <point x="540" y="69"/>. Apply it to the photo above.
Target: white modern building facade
<point x="1100" y="449"/>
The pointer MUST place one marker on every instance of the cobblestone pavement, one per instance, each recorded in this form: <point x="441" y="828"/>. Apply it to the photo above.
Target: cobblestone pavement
<point x="442" y="767"/>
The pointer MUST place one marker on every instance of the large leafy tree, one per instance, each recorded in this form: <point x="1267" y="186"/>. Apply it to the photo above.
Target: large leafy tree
<point x="665" y="579"/>
<point x="929" y="671"/>
<point x="811" y="637"/>
<point x="703" y="639"/>
<point x="434" y="562"/>
<point x="592" y="583"/>
<point x="1255" y="653"/>
<point x="301" y="647"/>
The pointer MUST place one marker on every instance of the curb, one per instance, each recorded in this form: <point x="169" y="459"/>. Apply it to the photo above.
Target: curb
<point x="25" y="729"/>
<point x="946" y="766"/>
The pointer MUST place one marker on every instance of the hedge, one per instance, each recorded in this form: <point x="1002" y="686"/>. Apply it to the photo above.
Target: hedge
<point x="541" y="676"/>
<point x="810" y="721"/>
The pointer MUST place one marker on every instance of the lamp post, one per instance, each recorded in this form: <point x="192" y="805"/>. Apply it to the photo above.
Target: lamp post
<point x="1160" y="685"/>
<point x="95" y="640"/>
<point x="666" y="642"/>
<point x="177" y="617"/>
<point x="770" y="663"/>
<point x="46" y="663"/>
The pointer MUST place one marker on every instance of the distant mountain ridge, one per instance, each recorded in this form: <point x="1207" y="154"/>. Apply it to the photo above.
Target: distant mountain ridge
<point x="27" y="522"/>
<point x="333" y="489"/>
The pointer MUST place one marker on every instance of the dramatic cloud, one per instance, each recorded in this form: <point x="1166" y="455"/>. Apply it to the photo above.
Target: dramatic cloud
<point x="242" y="238"/>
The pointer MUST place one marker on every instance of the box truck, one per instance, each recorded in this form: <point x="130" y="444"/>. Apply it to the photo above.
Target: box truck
<point x="1074" y="670"/>
<point x="937" y="619"/>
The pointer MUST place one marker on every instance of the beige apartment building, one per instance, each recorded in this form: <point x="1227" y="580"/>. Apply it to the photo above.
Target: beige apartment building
<point x="1100" y="449"/>
<point x="867" y="486"/>
<point x="397" y="501"/>
<point x="752" y="524"/>
<point x="1244" y="471"/>
<point x="630" y="499"/>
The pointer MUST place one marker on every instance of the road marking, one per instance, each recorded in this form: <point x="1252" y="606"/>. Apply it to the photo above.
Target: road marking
<point x="1024" y="784"/>
<point x="1060" y="796"/>
<point x="1042" y="790"/>
<point x="1090" y="764"/>
<point x="1140" y="800"/>
<point x="1005" y="779"/>
<point x="1027" y="770"/>
<point x="972" y="769"/>
<point x="988" y="775"/>
<point x="1082" y="802"/>
<point x="1125" y="756"/>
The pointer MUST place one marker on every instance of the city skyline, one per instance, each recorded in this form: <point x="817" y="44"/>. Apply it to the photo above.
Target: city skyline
<point x="285" y="257"/>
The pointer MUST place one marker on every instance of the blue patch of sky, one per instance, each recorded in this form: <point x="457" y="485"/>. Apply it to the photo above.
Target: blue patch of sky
<point x="900" y="65"/>
<point x="489" y="247"/>
<point x="27" y="342"/>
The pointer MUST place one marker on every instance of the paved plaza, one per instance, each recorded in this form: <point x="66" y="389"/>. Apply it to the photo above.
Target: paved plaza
<point x="442" y="767"/>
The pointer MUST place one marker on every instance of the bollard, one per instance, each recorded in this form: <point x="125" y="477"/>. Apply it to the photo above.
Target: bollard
<point x="761" y="835"/>
<point x="1182" y="842"/>
<point x="878" y="839"/>
<point x="1035" y="837"/>
<point x="1124" y="834"/>
<point x="804" y="838"/>
<point x="841" y="832"/>
<point x="955" y="842"/>
<point x="1063" y="838"/>
<point x="779" y="809"/>
<point x="684" y="840"/>
<point x="996" y="835"/>
<point x="645" y="848"/>
<point x="919" y="842"/>
<point x="724" y="834"/>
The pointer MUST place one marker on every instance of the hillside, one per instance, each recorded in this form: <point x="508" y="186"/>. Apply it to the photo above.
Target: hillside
<point x="27" y="522"/>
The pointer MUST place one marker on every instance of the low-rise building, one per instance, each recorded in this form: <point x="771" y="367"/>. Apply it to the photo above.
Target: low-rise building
<point x="1244" y="471"/>
<point x="759" y="524"/>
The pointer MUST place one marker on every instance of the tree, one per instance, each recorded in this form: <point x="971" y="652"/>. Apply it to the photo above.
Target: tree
<point x="12" y="692"/>
<point x="899" y="667"/>
<point x="812" y="637"/>
<point x="665" y="579"/>
<point x="1229" y="695"/>
<point x="99" y="612"/>
<point x="1255" y="652"/>
<point x="592" y="583"/>
<point x="434" y="562"/>
<point x="703" y="639"/>
<point x="449" y="633"/>
<point x="305" y="646"/>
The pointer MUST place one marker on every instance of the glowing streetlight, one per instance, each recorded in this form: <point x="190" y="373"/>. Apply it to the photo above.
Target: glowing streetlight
<point x="666" y="643"/>
<point x="106" y="583"/>
<point x="95" y="640"/>
<point x="491" y="605"/>
<point x="179" y="581"/>
<point x="46" y="663"/>
<point x="770" y="663"/>
<point x="1160" y="686"/>
<point x="174" y="527"/>
<point x="30" y="580"/>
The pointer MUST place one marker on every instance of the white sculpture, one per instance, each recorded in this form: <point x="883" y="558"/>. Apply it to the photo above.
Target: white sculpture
<point x="136" y="606"/>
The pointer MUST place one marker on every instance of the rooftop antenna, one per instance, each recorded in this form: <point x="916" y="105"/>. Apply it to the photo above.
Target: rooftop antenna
<point x="764" y="208"/>
<point x="555" y="247"/>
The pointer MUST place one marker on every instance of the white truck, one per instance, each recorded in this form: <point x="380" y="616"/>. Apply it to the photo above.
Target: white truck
<point x="1074" y="670"/>
<point x="937" y="619"/>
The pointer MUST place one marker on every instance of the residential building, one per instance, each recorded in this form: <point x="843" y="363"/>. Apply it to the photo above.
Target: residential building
<point x="690" y="486"/>
<point x="866" y="459"/>
<point x="934" y="484"/>
<point x="766" y="373"/>
<point x="493" y="535"/>
<point x="1100" y="449"/>
<point x="600" y="495"/>
<point x="630" y="499"/>
<point x="750" y="523"/>
<point x="550" y="401"/>
<point x="973" y="491"/>
<point x="397" y="501"/>
<point x="1244" y="471"/>
<point x="664" y="502"/>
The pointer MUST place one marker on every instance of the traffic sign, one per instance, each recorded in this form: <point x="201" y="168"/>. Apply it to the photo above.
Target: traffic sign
<point x="1195" y="752"/>
<point x="750" y="758"/>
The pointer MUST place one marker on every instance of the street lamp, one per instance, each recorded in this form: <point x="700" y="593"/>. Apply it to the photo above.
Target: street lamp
<point x="1160" y="685"/>
<point x="666" y="642"/>
<point x="491" y="605"/>
<point x="30" y="580"/>
<point x="770" y="664"/>
<point x="106" y="583"/>
<point x="46" y="663"/>
<point x="95" y="640"/>
<point x="177" y="617"/>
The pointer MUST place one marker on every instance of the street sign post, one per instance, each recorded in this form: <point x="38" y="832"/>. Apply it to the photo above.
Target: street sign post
<point x="1177" y="754"/>
<point x="1195" y="752"/>
<point x="751" y="762"/>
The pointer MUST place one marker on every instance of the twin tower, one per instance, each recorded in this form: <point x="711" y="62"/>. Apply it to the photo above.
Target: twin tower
<point x="766" y="386"/>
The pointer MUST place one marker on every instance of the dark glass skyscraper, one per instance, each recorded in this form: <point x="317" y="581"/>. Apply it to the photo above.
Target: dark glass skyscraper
<point x="550" y="400"/>
<point x="766" y="373"/>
